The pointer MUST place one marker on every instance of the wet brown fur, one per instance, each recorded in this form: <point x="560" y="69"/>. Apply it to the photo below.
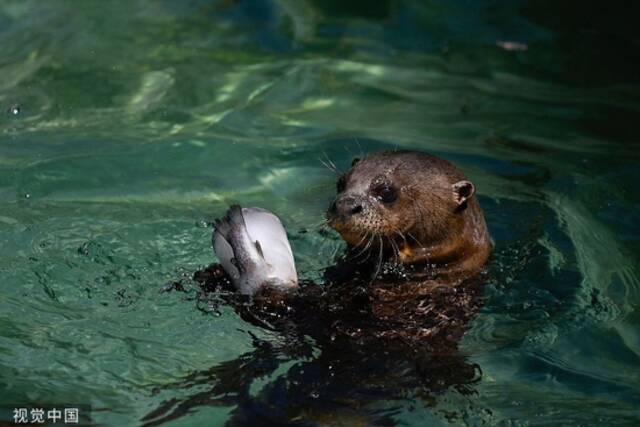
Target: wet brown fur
<point x="425" y="224"/>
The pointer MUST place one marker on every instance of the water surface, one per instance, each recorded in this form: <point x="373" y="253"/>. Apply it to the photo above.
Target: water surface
<point x="126" y="130"/>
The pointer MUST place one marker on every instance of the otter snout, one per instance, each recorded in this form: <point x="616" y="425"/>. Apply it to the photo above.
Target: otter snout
<point x="345" y="206"/>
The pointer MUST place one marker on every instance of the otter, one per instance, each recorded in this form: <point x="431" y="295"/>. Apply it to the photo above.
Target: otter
<point x="416" y="242"/>
<point x="416" y="239"/>
<point x="418" y="207"/>
<point x="391" y="311"/>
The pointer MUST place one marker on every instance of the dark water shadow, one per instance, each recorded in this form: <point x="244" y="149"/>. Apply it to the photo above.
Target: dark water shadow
<point x="331" y="363"/>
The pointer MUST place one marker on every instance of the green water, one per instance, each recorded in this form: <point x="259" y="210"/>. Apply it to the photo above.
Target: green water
<point x="126" y="127"/>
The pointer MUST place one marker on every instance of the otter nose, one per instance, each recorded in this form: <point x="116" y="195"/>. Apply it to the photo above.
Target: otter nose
<point x="346" y="206"/>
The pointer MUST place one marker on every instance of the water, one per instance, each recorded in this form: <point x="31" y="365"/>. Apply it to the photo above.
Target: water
<point x="125" y="130"/>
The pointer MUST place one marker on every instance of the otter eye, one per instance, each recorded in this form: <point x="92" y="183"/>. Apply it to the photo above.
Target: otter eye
<point x="341" y="184"/>
<point x="386" y="194"/>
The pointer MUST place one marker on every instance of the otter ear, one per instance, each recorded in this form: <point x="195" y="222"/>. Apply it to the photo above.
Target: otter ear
<point x="462" y="191"/>
<point x="353" y="163"/>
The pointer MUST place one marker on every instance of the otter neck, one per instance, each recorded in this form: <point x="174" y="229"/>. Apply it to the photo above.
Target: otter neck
<point x="460" y="256"/>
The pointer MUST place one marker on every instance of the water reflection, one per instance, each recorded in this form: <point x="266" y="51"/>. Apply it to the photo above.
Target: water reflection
<point x="330" y="359"/>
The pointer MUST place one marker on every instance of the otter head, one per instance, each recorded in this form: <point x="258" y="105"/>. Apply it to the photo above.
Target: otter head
<point x="410" y="203"/>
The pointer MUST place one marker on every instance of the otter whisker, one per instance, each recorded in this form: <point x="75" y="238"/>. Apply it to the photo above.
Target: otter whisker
<point x="402" y="236"/>
<point x="360" y="147"/>
<point x="320" y="225"/>
<point x="369" y="244"/>
<point x="396" y="250"/>
<point x="346" y="148"/>
<point x="326" y="165"/>
<point x="416" y="240"/>
<point x="313" y="189"/>
<point x="379" y="260"/>
<point x="364" y="236"/>
<point x="330" y="164"/>
<point x="366" y="247"/>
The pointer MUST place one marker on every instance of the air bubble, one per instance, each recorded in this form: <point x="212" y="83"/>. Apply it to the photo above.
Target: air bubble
<point x="14" y="110"/>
